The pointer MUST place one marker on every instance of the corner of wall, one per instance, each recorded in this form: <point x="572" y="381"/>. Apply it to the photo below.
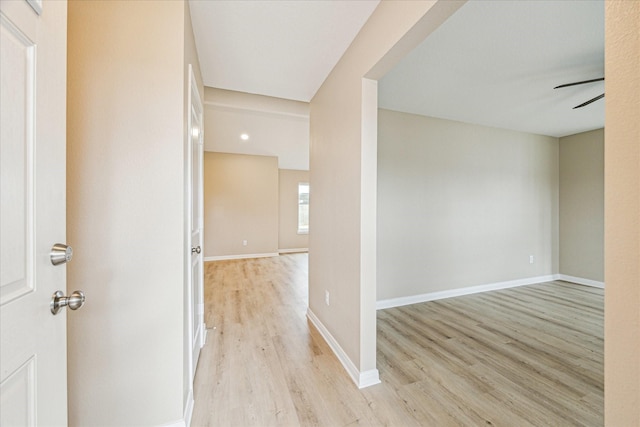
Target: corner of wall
<point x="361" y="379"/>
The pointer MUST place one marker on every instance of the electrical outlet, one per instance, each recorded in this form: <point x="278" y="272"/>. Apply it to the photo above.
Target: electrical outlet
<point x="244" y="243"/>
<point x="326" y="297"/>
<point x="530" y="259"/>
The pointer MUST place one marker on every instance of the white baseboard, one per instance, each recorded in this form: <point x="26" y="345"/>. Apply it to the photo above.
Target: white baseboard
<point x="432" y="296"/>
<point x="293" y="250"/>
<point x="361" y="379"/>
<point x="580" y="281"/>
<point x="188" y="413"/>
<point x="368" y="378"/>
<point x="241" y="256"/>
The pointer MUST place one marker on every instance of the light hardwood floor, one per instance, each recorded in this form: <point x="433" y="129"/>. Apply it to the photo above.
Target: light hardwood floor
<point x="527" y="356"/>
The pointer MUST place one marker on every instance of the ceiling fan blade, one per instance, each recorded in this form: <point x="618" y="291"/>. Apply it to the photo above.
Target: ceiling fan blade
<point x="580" y="83"/>
<point x="589" y="101"/>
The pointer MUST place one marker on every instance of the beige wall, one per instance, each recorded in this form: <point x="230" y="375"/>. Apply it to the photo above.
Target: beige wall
<point x="288" y="237"/>
<point x="110" y="200"/>
<point x="240" y="203"/>
<point x="462" y="205"/>
<point x="125" y="202"/>
<point x="582" y="205"/>
<point x="342" y="242"/>
<point x="341" y="92"/>
<point x="622" y="214"/>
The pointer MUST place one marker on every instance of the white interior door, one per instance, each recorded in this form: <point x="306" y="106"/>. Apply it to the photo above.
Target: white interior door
<point x="196" y="146"/>
<point x="33" y="365"/>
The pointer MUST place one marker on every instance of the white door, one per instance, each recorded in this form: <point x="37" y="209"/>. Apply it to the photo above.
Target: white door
<point x="196" y="310"/>
<point x="33" y="364"/>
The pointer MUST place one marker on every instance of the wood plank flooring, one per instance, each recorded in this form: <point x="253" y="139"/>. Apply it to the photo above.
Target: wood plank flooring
<point x="527" y="356"/>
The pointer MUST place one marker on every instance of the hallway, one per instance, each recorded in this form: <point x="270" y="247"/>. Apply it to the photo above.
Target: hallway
<point x="264" y="364"/>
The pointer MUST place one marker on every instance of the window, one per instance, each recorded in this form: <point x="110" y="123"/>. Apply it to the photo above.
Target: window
<point x="303" y="208"/>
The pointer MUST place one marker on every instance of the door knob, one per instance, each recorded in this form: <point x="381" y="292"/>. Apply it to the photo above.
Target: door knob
<point x="196" y="250"/>
<point x="74" y="302"/>
<point x="61" y="253"/>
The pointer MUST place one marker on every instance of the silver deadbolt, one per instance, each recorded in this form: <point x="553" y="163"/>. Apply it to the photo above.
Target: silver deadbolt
<point x="74" y="302"/>
<point x="61" y="253"/>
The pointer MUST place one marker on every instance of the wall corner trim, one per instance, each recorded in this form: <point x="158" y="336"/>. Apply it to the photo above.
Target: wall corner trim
<point x="188" y="409"/>
<point x="581" y="281"/>
<point x="433" y="296"/>
<point x="361" y="379"/>
<point x="240" y="256"/>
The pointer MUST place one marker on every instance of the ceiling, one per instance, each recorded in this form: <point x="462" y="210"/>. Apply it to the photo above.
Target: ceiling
<point x="284" y="49"/>
<point x="273" y="127"/>
<point x="495" y="63"/>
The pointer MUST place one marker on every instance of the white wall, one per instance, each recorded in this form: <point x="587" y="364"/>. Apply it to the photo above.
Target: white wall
<point x="622" y="214"/>
<point x="125" y="203"/>
<point x="582" y="205"/>
<point x="462" y="205"/>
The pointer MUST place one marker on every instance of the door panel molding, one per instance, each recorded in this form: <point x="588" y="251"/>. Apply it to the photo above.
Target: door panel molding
<point x="17" y="120"/>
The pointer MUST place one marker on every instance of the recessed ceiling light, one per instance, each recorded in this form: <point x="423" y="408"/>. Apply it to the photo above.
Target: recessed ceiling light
<point x="244" y="136"/>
